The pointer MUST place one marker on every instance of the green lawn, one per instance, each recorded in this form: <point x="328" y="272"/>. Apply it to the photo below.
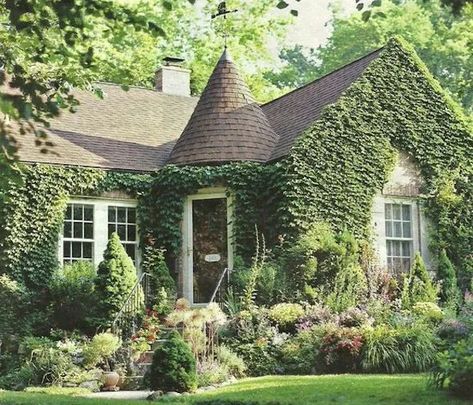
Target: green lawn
<point x="320" y="390"/>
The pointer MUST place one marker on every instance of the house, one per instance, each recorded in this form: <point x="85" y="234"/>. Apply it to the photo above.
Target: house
<point x="370" y="147"/>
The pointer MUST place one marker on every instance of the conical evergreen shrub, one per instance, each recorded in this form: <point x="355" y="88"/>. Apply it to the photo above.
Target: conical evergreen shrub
<point x="449" y="292"/>
<point x="418" y="285"/>
<point x="173" y="367"/>
<point x="116" y="277"/>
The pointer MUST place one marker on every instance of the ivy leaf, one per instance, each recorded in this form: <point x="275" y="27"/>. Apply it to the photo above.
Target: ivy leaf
<point x="295" y="13"/>
<point x="282" y="4"/>
<point x="366" y="15"/>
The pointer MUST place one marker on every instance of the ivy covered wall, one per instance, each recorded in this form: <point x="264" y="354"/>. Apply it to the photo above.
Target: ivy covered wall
<point x="332" y="174"/>
<point x="32" y="216"/>
<point x="337" y="167"/>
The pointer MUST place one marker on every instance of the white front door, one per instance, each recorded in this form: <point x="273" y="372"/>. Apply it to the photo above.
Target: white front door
<point x="207" y="246"/>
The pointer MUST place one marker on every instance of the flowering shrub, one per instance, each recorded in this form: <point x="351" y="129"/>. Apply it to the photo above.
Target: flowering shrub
<point x="354" y="317"/>
<point x="429" y="311"/>
<point x="315" y="315"/>
<point x="340" y="350"/>
<point x="142" y="340"/>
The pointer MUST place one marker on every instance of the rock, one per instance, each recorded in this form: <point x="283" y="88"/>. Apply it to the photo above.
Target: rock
<point x="154" y="395"/>
<point x="93" y="386"/>
<point x="172" y="394"/>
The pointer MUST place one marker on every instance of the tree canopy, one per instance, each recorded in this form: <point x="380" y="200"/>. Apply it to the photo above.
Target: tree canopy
<point x="443" y="40"/>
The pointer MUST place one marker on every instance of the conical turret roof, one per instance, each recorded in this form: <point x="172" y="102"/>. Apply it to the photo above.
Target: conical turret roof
<point x="227" y="124"/>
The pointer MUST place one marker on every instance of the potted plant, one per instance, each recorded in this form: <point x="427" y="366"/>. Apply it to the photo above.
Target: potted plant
<point x="99" y="352"/>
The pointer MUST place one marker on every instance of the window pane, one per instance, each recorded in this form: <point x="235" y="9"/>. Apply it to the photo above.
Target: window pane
<point x="67" y="229"/>
<point x="88" y="213"/>
<point x="121" y="229"/>
<point x="131" y="233"/>
<point x="406" y="212"/>
<point x="406" y="264"/>
<point x="389" y="229"/>
<point x="87" y="252"/>
<point x="66" y="252"/>
<point x="389" y="248"/>
<point x="121" y="215"/>
<point x="397" y="230"/>
<point x="69" y="212"/>
<point x="131" y="216"/>
<point x="88" y="231"/>
<point x="78" y="230"/>
<point x="130" y="249"/>
<point x="76" y="250"/>
<point x="406" y="249"/>
<point x="111" y="229"/>
<point x="112" y="214"/>
<point x="406" y="229"/>
<point x="396" y="248"/>
<point x="396" y="211"/>
<point x="78" y="212"/>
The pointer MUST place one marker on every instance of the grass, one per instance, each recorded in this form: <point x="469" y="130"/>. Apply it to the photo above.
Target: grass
<point x="320" y="390"/>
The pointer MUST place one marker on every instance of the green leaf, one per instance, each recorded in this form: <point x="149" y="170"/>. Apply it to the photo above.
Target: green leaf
<point x="282" y="4"/>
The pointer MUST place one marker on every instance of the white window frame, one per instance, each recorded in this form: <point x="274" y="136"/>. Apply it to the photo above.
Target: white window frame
<point x="392" y="238"/>
<point x="82" y="240"/>
<point x="100" y="225"/>
<point x="420" y="227"/>
<point x="187" y="240"/>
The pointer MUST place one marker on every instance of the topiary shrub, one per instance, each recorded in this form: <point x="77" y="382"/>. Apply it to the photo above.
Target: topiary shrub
<point x="173" y="367"/>
<point x="116" y="277"/>
<point x="418" y="285"/>
<point x="449" y="292"/>
<point x="73" y="302"/>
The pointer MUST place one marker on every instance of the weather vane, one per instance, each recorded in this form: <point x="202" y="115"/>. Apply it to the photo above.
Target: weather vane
<point x="223" y="11"/>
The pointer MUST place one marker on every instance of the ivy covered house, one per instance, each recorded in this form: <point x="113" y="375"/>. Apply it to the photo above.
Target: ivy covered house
<point x="375" y="147"/>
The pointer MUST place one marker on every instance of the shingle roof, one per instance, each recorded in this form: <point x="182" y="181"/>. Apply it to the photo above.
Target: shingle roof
<point x="227" y="124"/>
<point x="127" y="130"/>
<point x="137" y="130"/>
<point x="293" y="113"/>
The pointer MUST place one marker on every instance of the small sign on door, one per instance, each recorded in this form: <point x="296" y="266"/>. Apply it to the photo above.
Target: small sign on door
<point x="212" y="258"/>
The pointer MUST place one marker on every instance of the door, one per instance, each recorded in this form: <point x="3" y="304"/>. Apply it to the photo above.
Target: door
<point x="209" y="249"/>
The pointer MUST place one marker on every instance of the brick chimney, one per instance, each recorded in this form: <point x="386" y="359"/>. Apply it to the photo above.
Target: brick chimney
<point x="172" y="78"/>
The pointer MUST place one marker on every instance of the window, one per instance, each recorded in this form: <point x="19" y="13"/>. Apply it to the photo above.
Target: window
<point x="78" y="240"/>
<point x="122" y="220"/>
<point x="399" y="241"/>
<point x="88" y="224"/>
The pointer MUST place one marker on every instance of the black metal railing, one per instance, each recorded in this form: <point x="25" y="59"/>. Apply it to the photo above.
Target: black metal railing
<point x="128" y="320"/>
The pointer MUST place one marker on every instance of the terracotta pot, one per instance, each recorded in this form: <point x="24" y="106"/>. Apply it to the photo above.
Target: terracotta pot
<point x="110" y="380"/>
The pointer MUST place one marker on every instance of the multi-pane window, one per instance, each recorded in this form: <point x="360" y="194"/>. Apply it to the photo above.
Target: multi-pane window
<point x="122" y="220"/>
<point x="398" y="222"/>
<point x="78" y="233"/>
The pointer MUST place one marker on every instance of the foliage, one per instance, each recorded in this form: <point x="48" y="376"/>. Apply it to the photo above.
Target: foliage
<point x="449" y="292"/>
<point x="227" y="358"/>
<point x="36" y="207"/>
<point x="454" y="369"/>
<point x="100" y="350"/>
<point x="143" y="339"/>
<point x="154" y="264"/>
<point x="337" y="167"/>
<point x="73" y="302"/>
<point x="418" y="285"/>
<point x="339" y="350"/>
<point x="399" y="349"/>
<point x="13" y="302"/>
<point x="252" y="337"/>
<point x="428" y="311"/>
<point x="116" y="277"/>
<point x="286" y="315"/>
<point x="173" y="367"/>
<point x="451" y="331"/>
<point x="211" y="373"/>
<point x="442" y="40"/>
